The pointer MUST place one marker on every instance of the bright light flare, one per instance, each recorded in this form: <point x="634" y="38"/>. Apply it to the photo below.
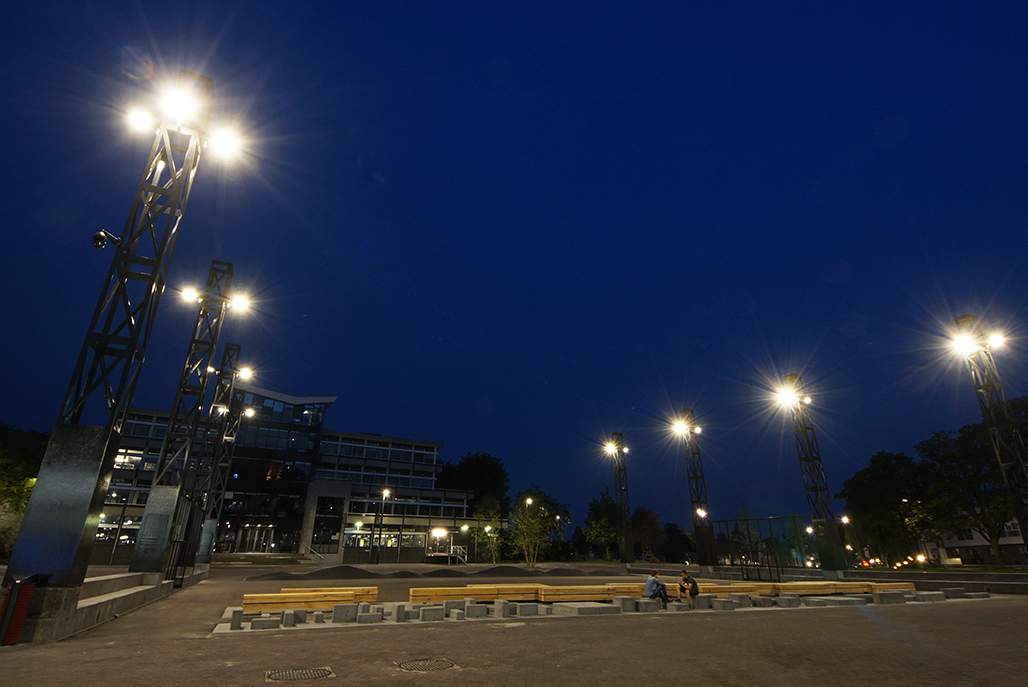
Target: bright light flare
<point x="240" y="302"/>
<point x="680" y="428"/>
<point x="610" y="448"/>
<point x="809" y="530"/>
<point x="965" y="345"/>
<point x="529" y="501"/>
<point x="701" y="512"/>
<point x="225" y="143"/>
<point x="786" y="397"/>
<point x="139" y="120"/>
<point x="439" y="532"/>
<point x="179" y="103"/>
<point x="997" y="340"/>
<point x="246" y="373"/>
<point x="845" y="520"/>
<point x="464" y="528"/>
<point x="190" y="295"/>
<point x="488" y="529"/>
<point x="921" y="558"/>
<point x="249" y="412"/>
<point x="386" y="493"/>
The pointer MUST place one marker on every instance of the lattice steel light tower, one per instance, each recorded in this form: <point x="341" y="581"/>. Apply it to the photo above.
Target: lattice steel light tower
<point x="685" y="428"/>
<point x="792" y="398"/>
<point x="976" y="348"/>
<point x="223" y="422"/>
<point x="173" y="516"/>
<point x="616" y="449"/>
<point x="59" y="528"/>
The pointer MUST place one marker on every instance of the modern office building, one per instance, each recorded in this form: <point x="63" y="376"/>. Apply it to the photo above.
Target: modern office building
<point x="295" y="487"/>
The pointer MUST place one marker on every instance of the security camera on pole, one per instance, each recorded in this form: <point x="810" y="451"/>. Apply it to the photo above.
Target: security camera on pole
<point x="57" y="534"/>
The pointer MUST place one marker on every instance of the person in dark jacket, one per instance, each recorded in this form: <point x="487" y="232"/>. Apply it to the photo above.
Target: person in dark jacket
<point x="688" y="588"/>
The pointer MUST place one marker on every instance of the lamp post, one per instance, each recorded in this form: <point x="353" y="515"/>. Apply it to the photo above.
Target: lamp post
<point x="615" y="448"/>
<point x="792" y="398"/>
<point x="224" y="421"/>
<point x="170" y="529"/>
<point x="688" y="431"/>
<point x="976" y="347"/>
<point x="380" y="525"/>
<point x="59" y="528"/>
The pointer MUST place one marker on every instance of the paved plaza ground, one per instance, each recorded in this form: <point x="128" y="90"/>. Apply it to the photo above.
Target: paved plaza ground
<point x="956" y="642"/>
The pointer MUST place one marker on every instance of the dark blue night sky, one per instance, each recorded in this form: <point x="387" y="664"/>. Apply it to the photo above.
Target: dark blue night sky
<point x="516" y="229"/>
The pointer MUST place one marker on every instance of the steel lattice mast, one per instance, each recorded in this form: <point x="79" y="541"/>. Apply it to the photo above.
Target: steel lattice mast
<point x="76" y="470"/>
<point x="223" y="426"/>
<point x="1006" y="439"/>
<point x="702" y="527"/>
<point x="815" y="482"/>
<point x="616" y="449"/>
<point x="168" y="515"/>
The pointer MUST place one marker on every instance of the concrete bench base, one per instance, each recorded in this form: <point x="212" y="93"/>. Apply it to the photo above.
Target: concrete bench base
<point x="787" y="601"/>
<point x="762" y="601"/>
<point x="585" y="608"/>
<point x="724" y="604"/>
<point x="371" y="617"/>
<point x="889" y="597"/>
<point x="647" y="605"/>
<point x="431" y="614"/>
<point x="953" y="592"/>
<point x="929" y="596"/>
<point x="976" y="595"/>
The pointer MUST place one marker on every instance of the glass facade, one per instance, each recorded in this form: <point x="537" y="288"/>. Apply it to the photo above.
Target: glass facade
<point x="280" y="451"/>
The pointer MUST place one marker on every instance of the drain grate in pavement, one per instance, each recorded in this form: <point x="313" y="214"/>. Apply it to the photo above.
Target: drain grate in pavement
<point x="298" y="674"/>
<point x="426" y="665"/>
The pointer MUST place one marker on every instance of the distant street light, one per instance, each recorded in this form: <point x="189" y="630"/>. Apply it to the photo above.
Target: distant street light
<point x="792" y="398"/>
<point x="616" y="449"/>
<point x="976" y="348"/>
<point x="687" y="430"/>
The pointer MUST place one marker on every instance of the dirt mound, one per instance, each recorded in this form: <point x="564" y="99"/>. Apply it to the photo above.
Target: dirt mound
<point x="565" y="572"/>
<point x="401" y="573"/>
<point x="336" y="572"/>
<point x="443" y="572"/>
<point x="507" y="571"/>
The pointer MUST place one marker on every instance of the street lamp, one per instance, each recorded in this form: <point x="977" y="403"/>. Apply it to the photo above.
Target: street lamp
<point x="615" y="448"/>
<point x="114" y="348"/>
<point x="528" y="501"/>
<point x="792" y="399"/>
<point x="845" y="520"/>
<point x="687" y="430"/>
<point x="379" y="525"/>
<point x="976" y="347"/>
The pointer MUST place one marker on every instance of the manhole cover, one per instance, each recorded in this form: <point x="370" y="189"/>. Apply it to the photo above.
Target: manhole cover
<point x="425" y="665"/>
<point x="298" y="674"/>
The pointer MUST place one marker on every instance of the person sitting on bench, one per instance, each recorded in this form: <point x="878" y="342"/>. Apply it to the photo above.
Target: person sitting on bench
<point x="655" y="589"/>
<point x="688" y="588"/>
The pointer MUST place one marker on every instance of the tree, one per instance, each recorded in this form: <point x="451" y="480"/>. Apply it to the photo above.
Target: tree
<point x="487" y="529"/>
<point x="965" y="488"/>
<point x="881" y="500"/>
<point x="481" y="474"/>
<point x="677" y="543"/>
<point x="601" y="523"/>
<point x="647" y="533"/>
<point x="534" y="523"/>
<point x="21" y="452"/>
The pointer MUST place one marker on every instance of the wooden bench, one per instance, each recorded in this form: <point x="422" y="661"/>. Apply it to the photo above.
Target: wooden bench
<point x="580" y="592"/>
<point x="427" y="595"/>
<point x="364" y="594"/>
<point x="892" y="587"/>
<point x="316" y="601"/>
<point x="509" y="592"/>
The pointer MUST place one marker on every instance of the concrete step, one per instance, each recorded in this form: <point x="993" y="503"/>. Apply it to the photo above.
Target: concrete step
<point x="95" y="610"/>
<point x="106" y="584"/>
